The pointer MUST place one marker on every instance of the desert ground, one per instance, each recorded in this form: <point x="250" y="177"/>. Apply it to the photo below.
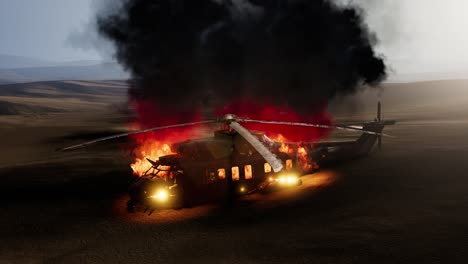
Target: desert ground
<point x="407" y="203"/>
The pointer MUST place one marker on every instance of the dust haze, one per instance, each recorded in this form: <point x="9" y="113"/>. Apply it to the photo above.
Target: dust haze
<point x="404" y="204"/>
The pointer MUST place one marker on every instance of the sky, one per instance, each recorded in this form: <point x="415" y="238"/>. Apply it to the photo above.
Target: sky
<point x="40" y="28"/>
<point x="415" y="35"/>
<point x="421" y="35"/>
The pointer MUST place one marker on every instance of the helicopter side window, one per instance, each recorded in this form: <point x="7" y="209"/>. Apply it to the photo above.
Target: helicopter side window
<point x="210" y="176"/>
<point x="221" y="174"/>
<point x="235" y="173"/>
<point x="152" y="173"/>
<point x="289" y="164"/>
<point x="248" y="172"/>
<point x="267" y="167"/>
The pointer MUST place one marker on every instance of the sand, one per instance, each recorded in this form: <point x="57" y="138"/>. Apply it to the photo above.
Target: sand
<point x="407" y="203"/>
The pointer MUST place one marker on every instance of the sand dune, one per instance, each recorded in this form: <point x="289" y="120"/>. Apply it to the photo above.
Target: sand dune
<point x="405" y="204"/>
<point x="47" y="71"/>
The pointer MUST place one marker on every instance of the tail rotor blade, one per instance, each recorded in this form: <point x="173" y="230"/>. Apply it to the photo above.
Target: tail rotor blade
<point x="379" y="112"/>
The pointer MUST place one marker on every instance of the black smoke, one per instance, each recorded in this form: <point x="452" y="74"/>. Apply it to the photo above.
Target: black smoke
<point x="192" y="53"/>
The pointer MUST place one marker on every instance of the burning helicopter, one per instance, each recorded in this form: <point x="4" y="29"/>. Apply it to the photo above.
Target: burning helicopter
<point x="236" y="161"/>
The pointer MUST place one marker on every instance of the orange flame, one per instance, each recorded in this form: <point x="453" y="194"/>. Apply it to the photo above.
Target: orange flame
<point x="285" y="148"/>
<point x="150" y="149"/>
<point x="303" y="159"/>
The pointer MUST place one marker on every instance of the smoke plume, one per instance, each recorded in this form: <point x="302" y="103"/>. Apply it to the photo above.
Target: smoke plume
<point x="207" y="54"/>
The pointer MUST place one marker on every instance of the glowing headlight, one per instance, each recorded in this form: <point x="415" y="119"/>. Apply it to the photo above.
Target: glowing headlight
<point x="292" y="179"/>
<point x="287" y="180"/>
<point x="161" y="195"/>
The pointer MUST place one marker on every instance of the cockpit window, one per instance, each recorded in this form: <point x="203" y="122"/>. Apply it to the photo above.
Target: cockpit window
<point x="162" y="171"/>
<point x="164" y="168"/>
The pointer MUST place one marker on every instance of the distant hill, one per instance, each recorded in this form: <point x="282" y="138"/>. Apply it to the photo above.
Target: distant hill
<point x="15" y="62"/>
<point x="9" y="108"/>
<point x="64" y="89"/>
<point x="11" y="62"/>
<point x="429" y="76"/>
<point x="19" y="69"/>
<point x="446" y="99"/>
<point x="61" y="96"/>
<point x="103" y="71"/>
<point x="7" y="77"/>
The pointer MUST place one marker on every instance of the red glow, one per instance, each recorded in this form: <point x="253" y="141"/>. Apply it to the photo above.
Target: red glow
<point x="155" y="144"/>
<point x="149" y="114"/>
<point x="257" y="110"/>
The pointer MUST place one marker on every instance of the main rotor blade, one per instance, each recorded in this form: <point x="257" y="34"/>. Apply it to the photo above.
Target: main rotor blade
<point x="274" y="162"/>
<point x="135" y="133"/>
<point x="348" y="128"/>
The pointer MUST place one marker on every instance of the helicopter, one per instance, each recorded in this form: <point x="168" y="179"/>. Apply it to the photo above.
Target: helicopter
<point x="235" y="161"/>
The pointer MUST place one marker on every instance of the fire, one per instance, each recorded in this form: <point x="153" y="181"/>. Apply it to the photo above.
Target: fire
<point x="156" y="144"/>
<point x="285" y="148"/>
<point x="151" y="149"/>
<point x="148" y="115"/>
<point x="303" y="159"/>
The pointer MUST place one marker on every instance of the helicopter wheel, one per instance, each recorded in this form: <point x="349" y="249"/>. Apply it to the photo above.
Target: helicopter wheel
<point x="186" y="202"/>
<point x="179" y="203"/>
<point x="184" y="193"/>
<point x="130" y="206"/>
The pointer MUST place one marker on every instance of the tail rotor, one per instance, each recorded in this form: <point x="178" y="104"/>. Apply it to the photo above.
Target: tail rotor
<point x="379" y="119"/>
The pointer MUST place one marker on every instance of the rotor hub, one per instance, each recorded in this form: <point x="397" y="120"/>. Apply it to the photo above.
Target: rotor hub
<point x="229" y="118"/>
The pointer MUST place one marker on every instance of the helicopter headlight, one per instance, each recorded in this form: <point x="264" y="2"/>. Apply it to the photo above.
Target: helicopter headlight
<point x="287" y="180"/>
<point x="292" y="179"/>
<point x="161" y="195"/>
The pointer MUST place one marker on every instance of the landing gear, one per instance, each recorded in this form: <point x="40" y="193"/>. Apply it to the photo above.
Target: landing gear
<point x="130" y="206"/>
<point x="179" y="199"/>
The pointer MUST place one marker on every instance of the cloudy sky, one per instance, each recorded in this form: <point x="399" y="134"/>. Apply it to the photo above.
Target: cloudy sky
<point x="421" y="35"/>
<point x="416" y="36"/>
<point x="40" y="28"/>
